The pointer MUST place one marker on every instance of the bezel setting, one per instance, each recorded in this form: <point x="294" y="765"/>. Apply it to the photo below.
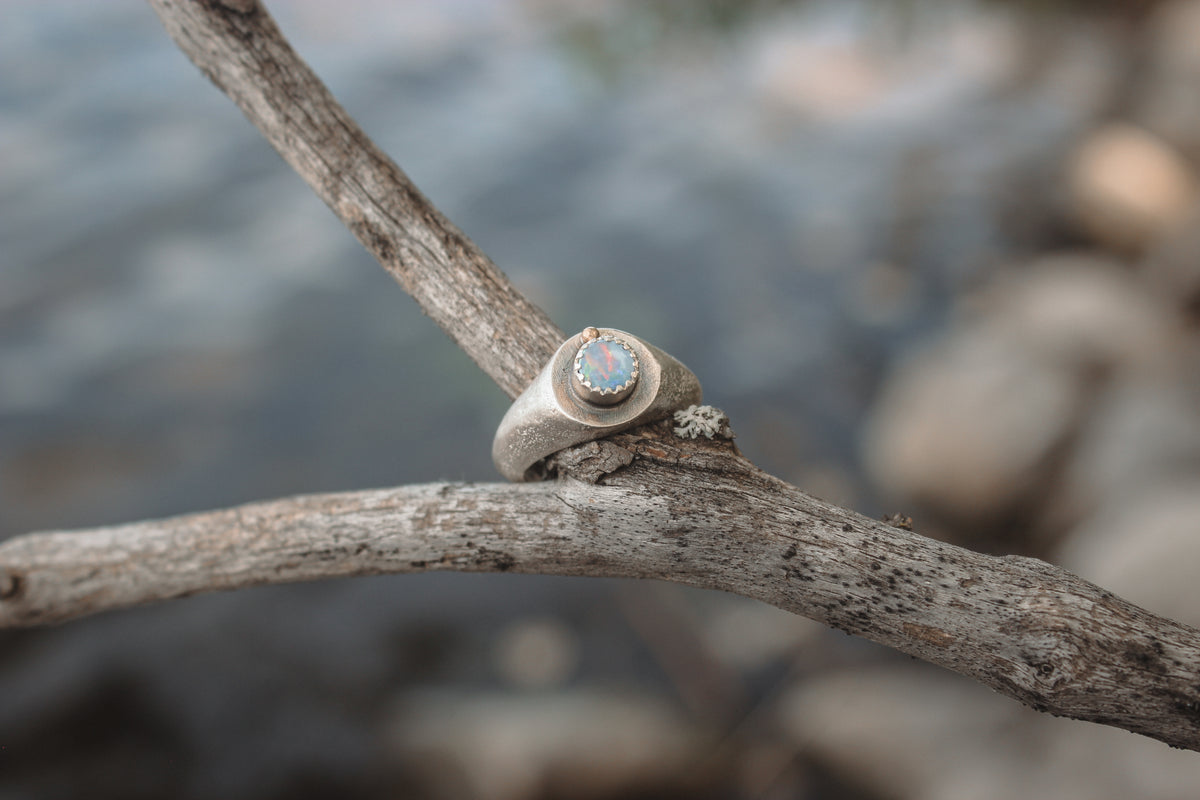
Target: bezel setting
<point x="604" y="396"/>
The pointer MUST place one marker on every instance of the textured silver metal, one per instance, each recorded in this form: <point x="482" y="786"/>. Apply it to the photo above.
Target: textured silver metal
<point x="550" y="416"/>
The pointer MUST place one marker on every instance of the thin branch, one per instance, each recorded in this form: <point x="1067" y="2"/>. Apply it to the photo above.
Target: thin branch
<point x="239" y="47"/>
<point x="694" y="514"/>
<point x="642" y="504"/>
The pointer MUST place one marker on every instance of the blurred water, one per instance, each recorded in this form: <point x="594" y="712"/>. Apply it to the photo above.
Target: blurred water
<point x="785" y="207"/>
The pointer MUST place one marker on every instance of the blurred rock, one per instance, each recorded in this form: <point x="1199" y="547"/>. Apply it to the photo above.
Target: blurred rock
<point x="537" y="653"/>
<point x="929" y="735"/>
<point x="1143" y="431"/>
<point x="831" y="72"/>
<point x="826" y="481"/>
<point x="1128" y="187"/>
<point x="580" y="744"/>
<point x="1081" y="312"/>
<point x="970" y="429"/>
<point x="749" y="635"/>
<point x="1145" y="546"/>
<point x="823" y="80"/>
<point x="1168" y="100"/>
<point x="769" y="770"/>
<point x="1173" y="268"/>
<point x="966" y="428"/>
<point x="885" y="294"/>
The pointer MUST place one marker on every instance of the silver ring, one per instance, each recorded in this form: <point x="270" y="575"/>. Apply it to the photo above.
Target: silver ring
<point x="600" y="381"/>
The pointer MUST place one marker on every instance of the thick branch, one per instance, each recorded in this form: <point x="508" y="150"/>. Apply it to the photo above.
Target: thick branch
<point x="238" y="46"/>
<point x="699" y="515"/>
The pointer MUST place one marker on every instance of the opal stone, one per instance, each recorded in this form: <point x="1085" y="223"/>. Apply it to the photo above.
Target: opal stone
<point x="607" y="365"/>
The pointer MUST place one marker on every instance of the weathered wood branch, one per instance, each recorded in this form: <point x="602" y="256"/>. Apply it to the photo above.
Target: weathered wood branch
<point x="693" y="513"/>
<point x="239" y="47"/>
<point x="642" y="504"/>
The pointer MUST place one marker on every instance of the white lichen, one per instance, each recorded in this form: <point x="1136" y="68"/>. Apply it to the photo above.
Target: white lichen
<point x="707" y="421"/>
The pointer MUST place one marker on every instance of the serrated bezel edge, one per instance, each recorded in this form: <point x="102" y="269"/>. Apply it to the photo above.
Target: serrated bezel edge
<point x="633" y="377"/>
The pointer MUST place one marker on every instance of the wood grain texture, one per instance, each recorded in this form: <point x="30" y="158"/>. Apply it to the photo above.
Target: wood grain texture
<point x="690" y="512"/>
<point x="641" y="504"/>
<point x="239" y="47"/>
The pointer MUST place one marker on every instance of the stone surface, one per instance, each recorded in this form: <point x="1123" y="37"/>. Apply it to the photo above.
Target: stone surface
<point x="1143" y="545"/>
<point x="1172" y="269"/>
<point x="970" y="428"/>
<point x="537" y="653"/>
<point x="1129" y="187"/>
<point x="912" y="733"/>
<point x="582" y="744"/>
<point x="965" y="428"/>
<point x="1144" y="430"/>
<point x="1168" y="102"/>
<point x="748" y="636"/>
<point x="1078" y="311"/>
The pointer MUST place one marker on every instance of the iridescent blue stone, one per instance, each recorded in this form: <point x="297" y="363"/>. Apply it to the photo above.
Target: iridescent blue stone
<point x="606" y="365"/>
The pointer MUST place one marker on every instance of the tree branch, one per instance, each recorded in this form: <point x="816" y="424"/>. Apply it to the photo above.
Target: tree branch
<point x="693" y="513"/>
<point x="641" y="504"/>
<point x="239" y="47"/>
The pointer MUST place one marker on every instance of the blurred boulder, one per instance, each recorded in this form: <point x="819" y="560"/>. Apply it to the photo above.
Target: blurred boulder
<point x="748" y="635"/>
<point x="966" y="428"/>
<point x="577" y="744"/>
<point x="537" y="653"/>
<point x="1168" y="97"/>
<point x="1128" y="187"/>
<point x="975" y="426"/>
<point x="1145" y="547"/>
<point x="1143" y="431"/>
<point x="820" y="80"/>
<point x="923" y="734"/>
<point x="1173" y="268"/>
<point x="1080" y="312"/>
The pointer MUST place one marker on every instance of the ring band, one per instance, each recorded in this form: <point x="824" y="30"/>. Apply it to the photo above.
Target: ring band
<point x="599" y="382"/>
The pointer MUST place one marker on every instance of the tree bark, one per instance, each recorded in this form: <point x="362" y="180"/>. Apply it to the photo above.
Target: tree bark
<point x="646" y="503"/>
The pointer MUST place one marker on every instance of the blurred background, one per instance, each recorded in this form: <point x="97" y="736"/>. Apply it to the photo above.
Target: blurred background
<point x="932" y="257"/>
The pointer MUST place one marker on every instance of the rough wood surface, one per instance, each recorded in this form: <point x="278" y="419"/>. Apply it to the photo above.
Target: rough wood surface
<point x="642" y="504"/>
<point x="690" y="512"/>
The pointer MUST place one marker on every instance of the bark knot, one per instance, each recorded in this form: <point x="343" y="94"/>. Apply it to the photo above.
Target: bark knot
<point x="592" y="461"/>
<point x="11" y="584"/>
